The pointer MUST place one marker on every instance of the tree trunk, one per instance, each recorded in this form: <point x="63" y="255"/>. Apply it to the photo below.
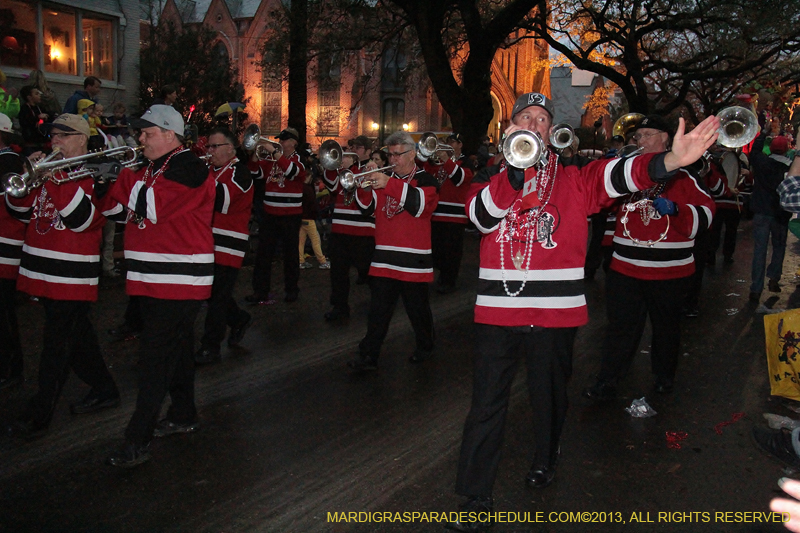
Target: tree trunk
<point x="298" y="64"/>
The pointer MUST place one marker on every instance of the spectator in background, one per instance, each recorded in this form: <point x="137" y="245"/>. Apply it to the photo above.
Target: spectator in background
<point x="49" y="103"/>
<point x="308" y="226"/>
<point x="617" y="142"/>
<point x="769" y="219"/>
<point x="9" y="103"/>
<point x="31" y="116"/>
<point x="169" y="95"/>
<point x="118" y="125"/>
<point x="380" y="158"/>
<point x="91" y="88"/>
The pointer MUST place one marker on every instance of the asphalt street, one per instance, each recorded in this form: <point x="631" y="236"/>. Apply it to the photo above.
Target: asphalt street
<point x="290" y="436"/>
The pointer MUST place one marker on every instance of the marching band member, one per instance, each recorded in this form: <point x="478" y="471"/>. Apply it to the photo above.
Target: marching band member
<point x="530" y="293"/>
<point x="12" y="235"/>
<point x="651" y="268"/>
<point x="169" y="254"/>
<point x="283" y="213"/>
<point x="402" y="204"/>
<point x="352" y="239"/>
<point x="60" y="265"/>
<point x="449" y="220"/>
<point x="234" y="186"/>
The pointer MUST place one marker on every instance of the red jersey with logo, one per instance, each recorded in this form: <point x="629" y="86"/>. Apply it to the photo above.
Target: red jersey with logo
<point x="348" y="219"/>
<point x="234" y="198"/>
<point x="283" y="194"/>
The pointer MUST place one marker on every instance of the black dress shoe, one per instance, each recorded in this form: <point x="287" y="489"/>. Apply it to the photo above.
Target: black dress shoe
<point x="205" y="356"/>
<point x="777" y="443"/>
<point x="124" y="332"/>
<point x="237" y="332"/>
<point x="165" y="428"/>
<point x="26" y="429"/>
<point x="94" y="402"/>
<point x="363" y="364"/>
<point x="336" y="314"/>
<point x="420" y="355"/>
<point x="540" y="476"/>
<point x="259" y="299"/>
<point x="601" y="391"/>
<point x="11" y="381"/>
<point x="664" y="385"/>
<point x="129" y="456"/>
<point x="481" y="506"/>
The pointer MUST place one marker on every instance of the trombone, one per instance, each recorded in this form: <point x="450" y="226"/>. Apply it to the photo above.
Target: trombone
<point x="254" y="141"/>
<point x="428" y="145"/>
<point x="36" y="173"/>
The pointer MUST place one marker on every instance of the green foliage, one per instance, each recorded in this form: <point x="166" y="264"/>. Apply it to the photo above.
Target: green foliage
<point x="191" y="60"/>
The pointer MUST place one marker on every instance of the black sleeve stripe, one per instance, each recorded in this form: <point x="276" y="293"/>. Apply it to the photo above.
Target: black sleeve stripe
<point x="81" y="214"/>
<point x="480" y="215"/>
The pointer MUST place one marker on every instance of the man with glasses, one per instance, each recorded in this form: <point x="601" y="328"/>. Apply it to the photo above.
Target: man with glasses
<point x="651" y="269"/>
<point x="352" y="239"/>
<point x="530" y="293"/>
<point x="402" y="203"/>
<point x="169" y="253"/>
<point x="231" y="217"/>
<point x="60" y="265"/>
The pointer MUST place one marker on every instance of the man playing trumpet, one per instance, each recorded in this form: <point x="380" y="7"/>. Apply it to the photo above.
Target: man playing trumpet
<point x="60" y="265"/>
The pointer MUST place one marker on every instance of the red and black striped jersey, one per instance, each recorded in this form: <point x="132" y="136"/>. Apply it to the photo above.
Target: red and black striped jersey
<point x="283" y="193"/>
<point x="234" y="198"/>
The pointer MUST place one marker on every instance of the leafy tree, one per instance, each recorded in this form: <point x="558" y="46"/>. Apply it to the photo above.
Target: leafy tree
<point x="189" y="60"/>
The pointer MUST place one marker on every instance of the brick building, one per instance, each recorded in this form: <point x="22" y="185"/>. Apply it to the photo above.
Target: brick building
<point x="339" y="106"/>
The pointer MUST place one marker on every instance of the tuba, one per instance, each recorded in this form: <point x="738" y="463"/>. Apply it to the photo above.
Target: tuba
<point x="36" y="173"/>
<point x="626" y="123"/>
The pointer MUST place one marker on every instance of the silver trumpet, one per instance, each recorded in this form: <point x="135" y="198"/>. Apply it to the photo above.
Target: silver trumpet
<point x="738" y="126"/>
<point x="524" y="149"/>
<point x="428" y="145"/>
<point x="331" y="154"/>
<point x="561" y="136"/>
<point x="252" y="140"/>
<point x="351" y="181"/>
<point x="36" y="173"/>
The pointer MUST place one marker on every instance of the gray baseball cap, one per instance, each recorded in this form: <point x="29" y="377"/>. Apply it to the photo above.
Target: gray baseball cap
<point x="162" y="116"/>
<point x="533" y="99"/>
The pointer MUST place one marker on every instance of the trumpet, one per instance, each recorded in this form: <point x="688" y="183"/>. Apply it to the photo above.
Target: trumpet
<point x="331" y="154"/>
<point x="428" y="145"/>
<point x="351" y="181"/>
<point x="738" y="126"/>
<point x="254" y="141"/>
<point x="36" y="173"/>
<point x="524" y="149"/>
<point x="561" y="136"/>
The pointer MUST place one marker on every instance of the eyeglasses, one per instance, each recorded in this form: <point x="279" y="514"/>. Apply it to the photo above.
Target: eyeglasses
<point x="397" y="154"/>
<point x="61" y="135"/>
<point x="640" y="136"/>
<point x="215" y="146"/>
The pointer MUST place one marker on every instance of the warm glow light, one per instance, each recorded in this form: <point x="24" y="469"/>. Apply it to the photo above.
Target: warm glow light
<point x="55" y="53"/>
<point x="406" y="127"/>
<point x="374" y="126"/>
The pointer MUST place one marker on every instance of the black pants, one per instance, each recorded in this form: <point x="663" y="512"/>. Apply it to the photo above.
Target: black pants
<point x="222" y="308"/>
<point x="547" y="353"/>
<point x="348" y="251"/>
<point x="287" y="230"/>
<point x="133" y="315"/>
<point x="384" y="295"/>
<point x="729" y="219"/>
<point x="10" y="346"/>
<point x="629" y="301"/>
<point x="447" y="247"/>
<point x="166" y="364"/>
<point x="701" y="253"/>
<point x="594" y="253"/>
<point x="69" y="342"/>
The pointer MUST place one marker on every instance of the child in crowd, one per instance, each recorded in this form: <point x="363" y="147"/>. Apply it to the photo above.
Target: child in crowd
<point x="118" y="126"/>
<point x="87" y="109"/>
<point x="308" y="226"/>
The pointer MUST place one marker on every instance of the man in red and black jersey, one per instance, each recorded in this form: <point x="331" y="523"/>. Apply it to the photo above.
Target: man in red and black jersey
<point x="352" y="239"/>
<point x="169" y="254"/>
<point x="12" y="234"/>
<point x="651" y="268"/>
<point x="449" y="221"/>
<point x="60" y="264"/>
<point x="283" y="214"/>
<point x="234" y="196"/>
<point x="402" y="203"/>
<point x="530" y="292"/>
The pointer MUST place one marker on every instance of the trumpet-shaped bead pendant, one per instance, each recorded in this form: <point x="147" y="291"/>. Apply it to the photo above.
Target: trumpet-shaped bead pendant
<point x="518" y="259"/>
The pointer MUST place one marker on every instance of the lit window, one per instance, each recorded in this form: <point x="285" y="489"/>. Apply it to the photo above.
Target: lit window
<point x="59" y="41"/>
<point x="97" y="46"/>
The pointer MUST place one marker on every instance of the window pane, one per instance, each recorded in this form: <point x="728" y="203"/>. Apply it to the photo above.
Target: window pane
<point x="18" y="34"/>
<point x="97" y="48"/>
<point x="59" y="40"/>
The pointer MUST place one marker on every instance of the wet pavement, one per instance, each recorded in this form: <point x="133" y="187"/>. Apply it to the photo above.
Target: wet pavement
<point x="290" y="436"/>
